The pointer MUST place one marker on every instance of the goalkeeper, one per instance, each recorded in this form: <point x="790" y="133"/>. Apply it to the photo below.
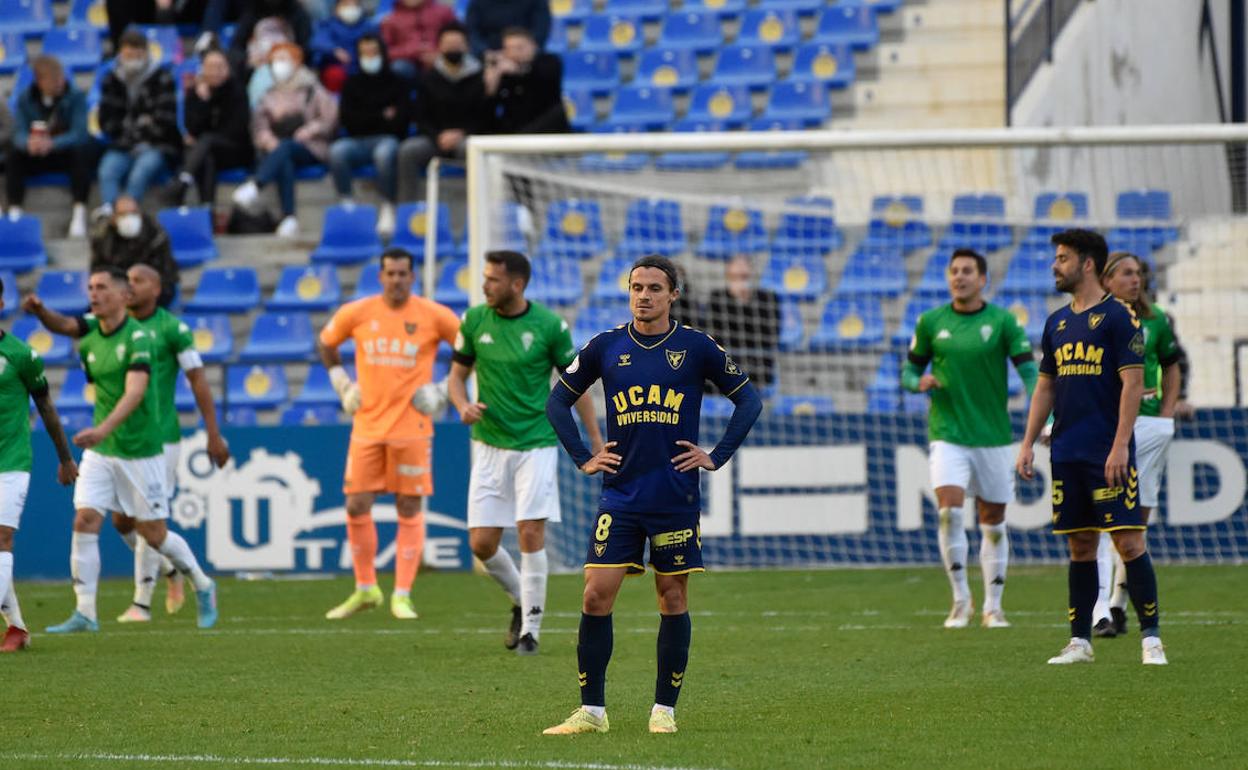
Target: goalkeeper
<point x="968" y="342"/>
<point x="396" y="340"/>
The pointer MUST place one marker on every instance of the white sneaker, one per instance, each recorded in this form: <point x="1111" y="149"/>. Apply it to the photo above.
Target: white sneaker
<point x="995" y="619"/>
<point x="15" y="213"/>
<point x="1078" y="651"/>
<point x="78" y="222"/>
<point x="960" y="615"/>
<point x="288" y="228"/>
<point x="245" y="195"/>
<point x="1154" y="652"/>
<point x="104" y="211"/>
<point x="385" y="220"/>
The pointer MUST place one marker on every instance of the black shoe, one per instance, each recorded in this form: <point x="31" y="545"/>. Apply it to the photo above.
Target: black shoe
<point x="1120" y="619"/>
<point x="527" y="645"/>
<point x="513" y="633"/>
<point x="1104" y="629"/>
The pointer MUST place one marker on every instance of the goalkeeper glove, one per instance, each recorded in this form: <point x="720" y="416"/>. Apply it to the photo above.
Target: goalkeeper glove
<point x="431" y="398"/>
<point x="348" y="392"/>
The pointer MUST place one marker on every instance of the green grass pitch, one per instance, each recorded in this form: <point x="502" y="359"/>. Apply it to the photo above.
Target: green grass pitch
<point x="838" y="668"/>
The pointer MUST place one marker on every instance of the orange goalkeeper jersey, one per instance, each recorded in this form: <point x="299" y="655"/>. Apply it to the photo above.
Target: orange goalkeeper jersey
<point x="394" y="354"/>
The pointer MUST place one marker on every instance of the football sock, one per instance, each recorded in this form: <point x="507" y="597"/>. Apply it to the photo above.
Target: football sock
<point x="593" y="653"/>
<point x="131" y="539"/>
<point x="410" y="542"/>
<point x="1104" y="575"/>
<point x="180" y="554"/>
<point x="1118" y="597"/>
<point x="673" y="656"/>
<point x="84" y="565"/>
<point x="1142" y="585"/>
<point x="532" y="591"/>
<point x="6" y="581"/>
<point x="660" y="707"/>
<point x="1082" y="582"/>
<point x="503" y="570"/>
<point x="994" y="560"/>
<point x="11" y="610"/>
<point x="953" y="547"/>
<point x="362" y="536"/>
<point x="147" y="561"/>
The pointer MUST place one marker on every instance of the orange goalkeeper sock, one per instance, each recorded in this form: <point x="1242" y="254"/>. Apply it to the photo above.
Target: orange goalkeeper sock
<point x="410" y="545"/>
<point x="362" y="535"/>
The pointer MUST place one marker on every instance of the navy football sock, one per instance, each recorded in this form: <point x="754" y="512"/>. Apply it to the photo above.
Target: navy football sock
<point x="674" y="633"/>
<point x="593" y="653"/>
<point x="1084" y="586"/>
<point x="1142" y="586"/>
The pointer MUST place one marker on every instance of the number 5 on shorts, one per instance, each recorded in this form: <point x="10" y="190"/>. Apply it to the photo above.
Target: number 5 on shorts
<point x="604" y="528"/>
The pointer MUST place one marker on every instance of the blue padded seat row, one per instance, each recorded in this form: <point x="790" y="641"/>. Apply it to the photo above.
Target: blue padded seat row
<point x="664" y="68"/>
<point x="848" y="24"/>
<point x="190" y="234"/>
<point x="691" y="160"/>
<point x="814" y="405"/>
<point x="649" y="10"/>
<point x="895" y="223"/>
<point x="690" y="30"/>
<point x="26" y="17"/>
<point x="309" y="288"/>
<point x="1030" y="271"/>
<point x="598" y="316"/>
<point x="312" y="415"/>
<point x="742" y="65"/>
<point x="64" y="291"/>
<point x="621" y="34"/>
<point x="571" y="11"/>
<point x="808" y="229"/>
<point x="318" y="390"/>
<point x="76" y="393"/>
<point x="831" y="64"/>
<point x="226" y="290"/>
<point x="1153" y="208"/>
<point x="412" y="224"/>
<point x="731" y="230"/>
<point x="652" y="227"/>
<point x="792" y="330"/>
<point x="1029" y="308"/>
<point x="579" y="107"/>
<point x="12" y="54"/>
<point x="257" y="386"/>
<point x="214" y="340"/>
<point x="77" y="48"/>
<point x="722" y="8"/>
<point x="573" y="229"/>
<point x="727" y="105"/>
<point x="555" y="281"/>
<point x="642" y="108"/>
<point x="848" y="324"/>
<point x="796" y="276"/>
<point x="778" y="29"/>
<point x="21" y="243"/>
<point x="349" y="235"/>
<point x="52" y="348"/>
<point x="89" y="13"/>
<point x="279" y="337"/>
<point x="595" y="71"/>
<point x="453" y="283"/>
<point x="873" y="272"/>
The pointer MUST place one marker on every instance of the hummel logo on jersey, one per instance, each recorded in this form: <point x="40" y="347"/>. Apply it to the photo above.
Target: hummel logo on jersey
<point x="485" y="339"/>
<point x="624" y="360"/>
<point x="943" y="334"/>
<point x="526" y="339"/>
<point x="985" y="332"/>
<point x="1094" y="320"/>
<point x="675" y="358"/>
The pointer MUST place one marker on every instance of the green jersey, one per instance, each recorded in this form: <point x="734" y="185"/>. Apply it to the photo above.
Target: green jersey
<point x="107" y="358"/>
<point x="1161" y="349"/>
<point x="969" y="353"/>
<point x="171" y="337"/>
<point x="21" y="376"/>
<point x="514" y="358"/>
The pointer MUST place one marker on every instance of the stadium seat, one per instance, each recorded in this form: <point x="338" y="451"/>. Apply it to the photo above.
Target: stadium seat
<point x="641" y="108"/>
<point x="752" y="67"/>
<point x="279" y="337"/>
<point x="369" y="281"/>
<point x="693" y="160"/>
<point x="725" y="9"/>
<point x="225" y="290"/>
<point x="873" y="272"/>
<point x="311" y="415"/>
<point x="509" y="229"/>
<point x="1030" y="271"/>
<point x="570" y="11"/>
<point x="716" y="407"/>
<point x="555" y="281"/>
<point x="771" y="159"/>
<point x="801" y="101"/>
<point x="1151" y="206"/>
<point x="796" y="276"/>
<point x="21" y="243"/>
<point x="727" y="105"/>
<point x="595" y="71"/>
<point x="317" y="389"/>
<point x="76" y="393"/>
<point x="241" y="416"/>
<point x="599" y="316"/>
<point x="848" y="324"/>
<point x="77" y="48"/>
<point x="884" y="390"/>
<point x="980" y="236"/>
<point x="64" y="291"/>
<point x="413" y="224"/>
<point x="792" y="330"/>
<point x="613" y="33"/>
<point x="26" y="17"/>
<point x="163" y="42"/>
<point x="1029" y="308"/>
<point x="778" y="30"/>
<point x="54" y="349"/>
<point x="612" y="282"/>
<point x="652" y="226"/>
<point x="1061" y="207"/>
<point x="10" y="293"/>
<point x="934" y="280"/>
<point x="89" y="13"/>
<point x="894" y="223"/>
<point x="920" y="302"/>
<point x="256" y="387"/>
<point x="310" y="288"/>
<point x="661" y="68"/>
<point x="732" y="230"/>
<point x="803" y="406"/>
<point x="804" y="231"/>
<point x="688" y="30"/>
<point x="573" y="229"/>
<point x="557" y="41"/>
<point x="453" y="283"/>
<point x="349" y="235"/>
<point x="613" y="162"/>
<point x="190" y="234"/>
<point x="848" y="25"/>
<point x="800" y="7"/>
<point x="214" y="341"/>
<point x="12" y="55"/>
<point x="579" y="106"/>
<point x="827" y="63"/>
<point x="183" y="396"/>
<point x="649" y="10"/>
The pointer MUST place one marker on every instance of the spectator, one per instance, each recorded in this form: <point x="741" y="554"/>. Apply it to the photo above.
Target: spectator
<point x="487" y="20"/>
<point x="745" y="320"/>
<point x="217" y="128"/>
<point x="254" y="38"/>
<point x="450" y="105"/>
<point x="526" y="87"/>
<point x="123" y="13"/>
<point x="410" y="32"/>
<point x="269" y="32"/>
<point x="292" y="127"/>
<point x="139" y="115"/>
<point x="334" y="40"/>
<point x="129" y="237"/>
<point x="375" y="114"/>
<point x="50" y="135"/>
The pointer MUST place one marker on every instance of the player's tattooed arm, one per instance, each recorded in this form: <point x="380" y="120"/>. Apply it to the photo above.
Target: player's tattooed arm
<point x="67" y="471"/>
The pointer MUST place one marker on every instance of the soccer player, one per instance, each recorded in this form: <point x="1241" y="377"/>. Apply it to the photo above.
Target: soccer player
<point x="1126" y="277"/>
<point x="174" y="349"/>
<point x="513" y="343"/>
<point x="21" y="379"/>
<point x="652" y="370"/>
<point x="968" y="343"/>
<point x="396" y="339"/>
<point x="123" y="464"/>
<point x="1091" y="378"/>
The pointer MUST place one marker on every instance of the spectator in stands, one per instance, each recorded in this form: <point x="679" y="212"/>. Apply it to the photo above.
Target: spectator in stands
<point x="139" y="116"/>
<point x="50" y="135"/>
<point x="410" y="32"/>
<point x="375" y="112"/>
<point x="6" y="128"/>
<point x="263" y="24"/>
<point x="450" y="105"/>
<point x="487" y="20"/>
<point x="129" y="237"/>
<point x="292" y="128"/>
<point x="526" y="87"/>
<point x="218" y="132"/>
<point x="123" y="13"/>
<point x="333" y="42"/>
<point x="746" y="320"/>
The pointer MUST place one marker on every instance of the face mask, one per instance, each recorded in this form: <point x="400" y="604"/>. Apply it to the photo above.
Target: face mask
<point x="350" y="14"/>
<point x="129" y="225"/>
<point x="371" y="64"/>
<point x="282" y="69"/>
<point x="454" y="57"/>
<point x="131" y="67"/>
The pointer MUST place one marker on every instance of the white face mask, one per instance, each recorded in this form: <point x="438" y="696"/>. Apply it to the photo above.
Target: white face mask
<point x="350" y="14"/>
<point x="282" y="69"/>
<point x="129" y="225"/>
<point x="371" y="64"/>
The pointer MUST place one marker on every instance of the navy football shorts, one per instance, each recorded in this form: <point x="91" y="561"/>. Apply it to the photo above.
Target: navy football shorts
<point x="619" y="540"/>
<point x="1082" y="501"/>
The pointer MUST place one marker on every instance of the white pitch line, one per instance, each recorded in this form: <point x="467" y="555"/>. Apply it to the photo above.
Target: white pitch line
<point x="211" y="759"/>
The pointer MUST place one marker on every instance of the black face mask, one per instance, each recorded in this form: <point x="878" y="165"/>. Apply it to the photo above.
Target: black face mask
<point x="454" y="57"/>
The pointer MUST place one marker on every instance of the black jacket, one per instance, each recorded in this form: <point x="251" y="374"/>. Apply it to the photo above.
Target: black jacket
<point x="532" y="103"/>
<point x="364" y="100"/>
<point x="442" y="103"/>
<point x="151" y="119"/>
<point x="226" y="113"/>
<point x="150" y="247"/>
<point x="486" y="20"/>
<point x="751" y="332"/>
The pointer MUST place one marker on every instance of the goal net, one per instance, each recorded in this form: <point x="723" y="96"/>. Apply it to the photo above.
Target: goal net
<point x="810" y="255"/>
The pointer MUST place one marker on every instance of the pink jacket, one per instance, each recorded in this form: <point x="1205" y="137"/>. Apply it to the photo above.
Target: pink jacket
<point x="411" y="32"/>
<point x="303" y="93"/>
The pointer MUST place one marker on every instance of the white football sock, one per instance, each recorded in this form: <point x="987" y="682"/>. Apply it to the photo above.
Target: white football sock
<point x="660" y="707"/>
<point x="1118" y="596"/>
<point x="597" y="711"/>
<point x="180" y="554"/>
<point x="533" y="567"/>
<point x="131" y="539"/>
<point x="6" y="587"/>
<point x="1104" y="576"/>
<point x="11" y="610"/>
<point x="951" y="536"/>
<point x="84" y="564"/>
<point x="147" y="564"/>
<point x="994" y="561"/>
<point x="503" y="569"/>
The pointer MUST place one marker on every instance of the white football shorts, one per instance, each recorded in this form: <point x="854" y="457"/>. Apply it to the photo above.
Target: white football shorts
<point x="173" y="453"/>
<point x="134" y="487"/>
<point x="13" y="487"/>
<point x="510" y="485"/>
<point x="1152" y="439"/>
<point x="985" y="472"/>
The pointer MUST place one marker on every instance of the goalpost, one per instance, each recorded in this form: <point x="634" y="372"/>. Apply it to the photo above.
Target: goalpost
<point x="851" y="232"/>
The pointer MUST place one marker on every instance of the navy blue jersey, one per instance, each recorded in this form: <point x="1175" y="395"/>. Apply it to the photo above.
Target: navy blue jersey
<point x="1084" y="353"/>
<point x="653" y="389"/>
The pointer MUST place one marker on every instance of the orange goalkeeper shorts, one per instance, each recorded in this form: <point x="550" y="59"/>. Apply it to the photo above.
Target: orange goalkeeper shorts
<point x="401" y="467"/>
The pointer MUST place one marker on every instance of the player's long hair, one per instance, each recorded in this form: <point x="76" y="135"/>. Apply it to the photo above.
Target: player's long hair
<point x="1142" y="306"/>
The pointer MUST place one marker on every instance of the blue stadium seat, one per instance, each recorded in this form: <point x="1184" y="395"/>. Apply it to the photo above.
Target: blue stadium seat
<point x="687" y="30"/>
<point x="509" y="228"/>
<point x="226" y="290"/>
<point x="749" y="66"/>
<point x="573" y="229"/>
<point x="652" y="226"/>
<point x="89" y="13"/>
<point x="77" y="48"/>
<point x="792" y="329"/>
<point x="935" y="271"/>
<point x="412" y="221"/>
<point x="729" y="105"/>
<point x="879" y="6"/>
<point x="76" y="393"/>
<point x="22" y="81"/>
<point x="649" y="10"/>
<point x="349" y="235"/>
<point x="309" y="288"/>
<point x="579" y="106"/>
<point x="771" y="159"/>
<point x="977" y="224"/>
<point x="53" y="348"/>
<point x="1153" y="208"/>
<point x="725" y="9"/>
<point x="21" y="244"/>
<point x="800" y="100"/>
<point x="778" y="30"/>
<point x="10" y="293"/>
<point x="613" y="162"/>
<point x="241" y="416"/>
<point x="920" y="302"/>
<point x="716" y="407"/>
<point x="1061" y="207"/>
<point x="453" y="283"/>
<point x="26" y="17"/>
<point x="183" y="396"/>
<point x="732" y="230"/>
<point x="279" y="337"/>
<point x="848" y="324"/>
<point x="163" y="42"/>
<point x="613" y="33"/>
<point x="612" y="283"/>
<point x="369" y="282"/>
<point x="555" y="281"/>
<point x="979" y="206"/>
<point x="849" y="25"/>
<point x="317" y="389"/>
<point x="873" y="272"/>
<point x="595" y="71"/>
<point x="1029" y="308"/>
<point x="804" y="230"/>
<point x="570" y="11"/>
<point x="884" y="390"/>
<point x="693" y="160"/>
<point x="829" y="63"/>
<point x="794" y="276"/>
<point x="65" y="291"/>
<point x="256" y="387"/>
<point x="214" y="341"/>
<point x="663" y="68"/>
<point x="800" y="7"/>
<point x="190" y="234"/>
<point x="894" y="223"/>
<point x="12" y="55"/>
<point x="599" y="316"/>
<point x="642" y="108"/>
<point x="311" y="415"/>
<point x="1030" y="271"/>
<point x="557" y="41"/>
<point x="803" y="406"/>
